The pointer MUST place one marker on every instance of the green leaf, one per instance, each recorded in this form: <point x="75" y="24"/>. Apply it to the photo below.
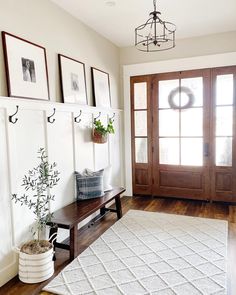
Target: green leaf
<point x="38" y="180"/>
<point x="100" y="128"/>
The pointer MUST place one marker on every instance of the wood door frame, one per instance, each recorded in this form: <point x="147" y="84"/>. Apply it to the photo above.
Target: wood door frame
<point x="220" y="195"/>
<point x="208" y="136"/>
<point x="176" y="191"/>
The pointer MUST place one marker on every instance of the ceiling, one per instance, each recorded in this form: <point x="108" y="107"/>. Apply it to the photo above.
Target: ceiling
<point x="117" y="23"/>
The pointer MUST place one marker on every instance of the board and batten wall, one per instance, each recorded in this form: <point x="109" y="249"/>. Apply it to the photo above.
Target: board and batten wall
<point x="67" y="143"/>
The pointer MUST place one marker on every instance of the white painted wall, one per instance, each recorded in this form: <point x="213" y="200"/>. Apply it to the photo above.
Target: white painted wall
<point x="208" y="61"/>
<point x="67" y="143"/>
<point x="189" y="47"/>
<point x="44" y="23"/>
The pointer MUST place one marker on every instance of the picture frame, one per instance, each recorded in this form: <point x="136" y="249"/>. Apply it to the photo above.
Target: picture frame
<point x="101" y="88"/>
<point x="73" y="80"/>
<point x="26" y="68"/>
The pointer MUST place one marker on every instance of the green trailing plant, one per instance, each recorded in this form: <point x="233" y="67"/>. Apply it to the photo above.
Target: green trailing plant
<point x="37" y="182"/>
<point x="100" y="128"/>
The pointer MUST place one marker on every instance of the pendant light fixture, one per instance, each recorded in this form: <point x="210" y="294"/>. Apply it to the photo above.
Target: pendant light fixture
<point x="155" y="34"/>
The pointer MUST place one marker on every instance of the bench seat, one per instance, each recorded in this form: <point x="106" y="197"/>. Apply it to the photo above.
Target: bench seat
<point x="69" y="216"/>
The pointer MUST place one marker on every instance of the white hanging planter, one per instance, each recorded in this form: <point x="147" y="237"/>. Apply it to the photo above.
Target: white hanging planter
<point x="35" y="268"/>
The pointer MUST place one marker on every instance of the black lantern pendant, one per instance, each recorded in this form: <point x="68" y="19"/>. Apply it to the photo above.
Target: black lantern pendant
<point x="155" y="34"/>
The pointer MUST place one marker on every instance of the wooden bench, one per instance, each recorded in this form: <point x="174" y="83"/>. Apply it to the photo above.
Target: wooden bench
<point x="69" y="216"/>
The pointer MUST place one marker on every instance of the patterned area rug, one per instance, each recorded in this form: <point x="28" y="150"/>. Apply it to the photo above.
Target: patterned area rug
<point x="151" y="253"/>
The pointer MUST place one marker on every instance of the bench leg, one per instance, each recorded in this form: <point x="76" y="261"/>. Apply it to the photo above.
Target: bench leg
<point x="118" y="207"/>
<point x="53" y="238"/>
<point x="73" y="242"/>
<point x="103" y="211"/>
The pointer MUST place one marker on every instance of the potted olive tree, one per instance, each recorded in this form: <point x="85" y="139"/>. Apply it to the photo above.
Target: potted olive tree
<point x="36" y="256"/>
<point x="100" y="132"/>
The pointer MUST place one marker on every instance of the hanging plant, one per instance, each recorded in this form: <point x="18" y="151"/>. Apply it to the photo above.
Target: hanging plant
<point x="100" y="132"/>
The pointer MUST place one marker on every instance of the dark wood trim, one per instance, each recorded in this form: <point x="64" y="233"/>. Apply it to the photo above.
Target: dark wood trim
<point x="93" y="86"/>
<point x="220" y="195"/>
<point x="60" y="56"/>
<point x="208" y="169"/>
<point x="4" y="34"/>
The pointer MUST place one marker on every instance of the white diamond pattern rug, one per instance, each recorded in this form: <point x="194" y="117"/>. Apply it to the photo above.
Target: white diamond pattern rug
<point x="151" y="253"/>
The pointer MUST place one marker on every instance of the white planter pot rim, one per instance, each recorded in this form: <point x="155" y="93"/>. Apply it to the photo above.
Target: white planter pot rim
<point x="35" y="268"/>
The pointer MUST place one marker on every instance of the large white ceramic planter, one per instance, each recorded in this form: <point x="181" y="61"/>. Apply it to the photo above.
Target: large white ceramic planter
<point x="36" y="268"/>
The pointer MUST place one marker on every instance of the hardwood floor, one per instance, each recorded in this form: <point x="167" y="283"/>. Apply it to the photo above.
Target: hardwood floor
<point x="174" y="206"/>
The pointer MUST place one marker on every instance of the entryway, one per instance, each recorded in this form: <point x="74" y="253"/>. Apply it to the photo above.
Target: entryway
<point x="183" y="133"/>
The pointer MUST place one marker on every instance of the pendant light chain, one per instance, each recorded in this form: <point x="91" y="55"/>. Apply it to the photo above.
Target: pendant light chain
<point x="155" y="5"/>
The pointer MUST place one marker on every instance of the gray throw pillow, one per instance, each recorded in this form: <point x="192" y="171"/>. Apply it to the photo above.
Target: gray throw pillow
<point x="89" y="187"/>
<point x="106" y="177"/>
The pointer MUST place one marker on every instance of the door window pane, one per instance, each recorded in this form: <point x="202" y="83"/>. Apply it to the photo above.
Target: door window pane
<point x="140" y="123"/>
<point x="165" y="87"/>
<point x="141" y="154"/>
<point x="224" y="90"/>
<point x="169" y="151"/>
<point x="192" y="122"/>
<point x="223" y="151"/>
<point x="140" y="95"/>
<point x="196" y="86"/>
<point x="184" y="99"/>
<point x="168" y="123"/>
<point x="224" y="121"/>
<point x="192" y="151"/>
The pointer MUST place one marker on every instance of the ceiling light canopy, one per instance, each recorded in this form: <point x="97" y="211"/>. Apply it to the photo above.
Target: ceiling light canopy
<point x="110" y="3"/>
<point x="155" y="34"/>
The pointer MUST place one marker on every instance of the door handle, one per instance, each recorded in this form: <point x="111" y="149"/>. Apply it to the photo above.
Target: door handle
<point x="206" y="150"/>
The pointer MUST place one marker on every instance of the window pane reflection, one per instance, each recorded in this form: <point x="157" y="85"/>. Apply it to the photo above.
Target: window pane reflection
<point x="168" y="123"/>
<point x="140" y="123"/>
<point x="165" y="87"/>
<point x="140" y="95"/>
<point x="192" y="151"/>
<point x="169" y="151"/>
<point x="224" y="121"/>
<point x="141" y="154"/>
<point x="196" y="86"/>
<point x="223" y="151"/>
<point x="192" y="122"/>
<point x="224" y="90"/>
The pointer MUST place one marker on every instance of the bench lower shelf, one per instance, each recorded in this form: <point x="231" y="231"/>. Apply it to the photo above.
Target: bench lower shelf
<point x="69" y="217"/>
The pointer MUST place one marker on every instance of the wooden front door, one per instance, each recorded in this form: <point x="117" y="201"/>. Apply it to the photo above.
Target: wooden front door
<point x="180" y="134"/>
<point x="183" y="134"/>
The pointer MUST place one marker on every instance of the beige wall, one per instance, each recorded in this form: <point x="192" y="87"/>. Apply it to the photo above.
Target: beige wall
<point x="44" y="23"/>
<point x="198" y="46"/>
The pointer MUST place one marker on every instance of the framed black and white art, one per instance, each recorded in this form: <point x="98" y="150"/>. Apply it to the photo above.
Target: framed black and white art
<point x="73" y="82"/>
<point x="26" y="68"/>
<point x="101" y="88"/>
